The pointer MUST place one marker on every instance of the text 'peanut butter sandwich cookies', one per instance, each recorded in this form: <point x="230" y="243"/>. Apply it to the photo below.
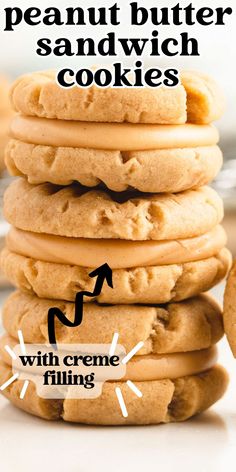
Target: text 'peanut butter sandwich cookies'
<point x="119" y="177"/>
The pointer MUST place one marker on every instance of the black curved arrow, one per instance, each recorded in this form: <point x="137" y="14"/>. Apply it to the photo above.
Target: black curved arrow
<point x="102" y="273"/>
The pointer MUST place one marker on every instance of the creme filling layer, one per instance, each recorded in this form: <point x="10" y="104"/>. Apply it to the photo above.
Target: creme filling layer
<point x="170" y="366"/>
<point x="119" y="254"/>
<point x="111" y="136"/>
<point x="158" y="367"/>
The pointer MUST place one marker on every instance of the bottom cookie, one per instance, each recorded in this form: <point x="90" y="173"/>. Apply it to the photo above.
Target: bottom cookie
<point x="162" y="401"/>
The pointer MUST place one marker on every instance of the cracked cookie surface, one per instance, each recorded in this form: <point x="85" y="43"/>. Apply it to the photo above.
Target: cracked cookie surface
<point x="175" y="327"/>
<point x="197" y="99"/>
<point x="168" y="170"/>
<point x="78" y="212"/>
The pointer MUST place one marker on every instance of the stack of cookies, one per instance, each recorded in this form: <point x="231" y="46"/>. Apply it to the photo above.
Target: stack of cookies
<point x="118" y="176"/>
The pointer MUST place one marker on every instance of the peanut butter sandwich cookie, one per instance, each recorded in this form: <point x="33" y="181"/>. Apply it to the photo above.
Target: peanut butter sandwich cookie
<point x="68" y="231"/>
<point x="116" y="137"/>
<point x="177" y="354"/>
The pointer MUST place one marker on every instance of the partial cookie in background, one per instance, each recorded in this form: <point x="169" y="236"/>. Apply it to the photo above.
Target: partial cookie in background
<point x="38" y="94"/>
<point x="76" y="212"/>
<point x="230" y="310"/>
<point x="4" y="95"/>
<point x="4" y="138"/>
<point x="159" y="284"/>
<point x="5" y="116"/>
<point x="176" y="327"/>
<point x="162" y="401"/>
<point x="165" y="170"/>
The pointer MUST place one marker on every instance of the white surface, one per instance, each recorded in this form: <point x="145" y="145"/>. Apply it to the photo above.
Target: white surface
<point x="205" y="443"/>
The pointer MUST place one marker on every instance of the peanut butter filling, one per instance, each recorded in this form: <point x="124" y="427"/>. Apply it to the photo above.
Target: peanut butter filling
<point x="170" y="366"/>
<point x="117" y="253"/>
<point x="141" y="368"/>
<point x="111" y="136"/>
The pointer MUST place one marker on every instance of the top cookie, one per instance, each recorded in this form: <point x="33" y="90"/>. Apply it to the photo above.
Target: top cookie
<point x="197" y="98"/>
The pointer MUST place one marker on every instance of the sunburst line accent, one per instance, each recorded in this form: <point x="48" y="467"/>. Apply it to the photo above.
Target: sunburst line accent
<point x="10" y="352"/>
<point x="113" y="344"/>
<point x="9" y="381"/>
<point x="121" y="402"/>
<point x="132" y="352"/>
<point x="24" y="388"/>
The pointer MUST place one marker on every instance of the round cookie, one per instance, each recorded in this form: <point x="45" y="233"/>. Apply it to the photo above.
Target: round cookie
<point x="177" y="327"/>
<point x="76" y="212"/>
<point x="159" y="284"/>
<point x="166" y="170"/>
<point x="38" y="94"/>
<point x="163" y="401"/>
<point x="230" y="310"/>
